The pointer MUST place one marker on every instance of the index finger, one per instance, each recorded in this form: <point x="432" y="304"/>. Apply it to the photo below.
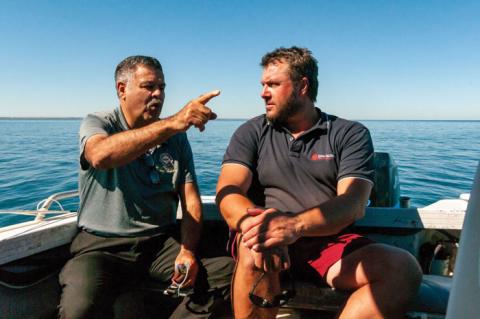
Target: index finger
<point x="204" y="98"/>
<point x="255" y="211"/>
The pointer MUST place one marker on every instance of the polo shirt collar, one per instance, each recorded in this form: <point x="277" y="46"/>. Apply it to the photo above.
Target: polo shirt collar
<point x="121" y="119"/>
<point x="321" y="124"/>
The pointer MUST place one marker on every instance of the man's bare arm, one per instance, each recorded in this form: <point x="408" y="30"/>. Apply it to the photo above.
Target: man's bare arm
<point x="278" y="228"/>
<point x="332" y="216"/>
<point x="104" y="152"/>
<point x="192" y="217"/>
<point x="191" y="231"/>
<point x="236" y="208"/>
<point x="231" y="199"/>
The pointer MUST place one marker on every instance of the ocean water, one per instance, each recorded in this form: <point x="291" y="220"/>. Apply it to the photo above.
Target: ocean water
<point x="436" y="159"/>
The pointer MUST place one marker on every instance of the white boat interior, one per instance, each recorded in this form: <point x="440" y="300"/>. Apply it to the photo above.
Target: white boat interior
<point x="33" y="252"/>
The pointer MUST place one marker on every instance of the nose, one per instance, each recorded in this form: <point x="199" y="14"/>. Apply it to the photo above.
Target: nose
<point x="265" y="94"/>
<point x="158" y="91"/>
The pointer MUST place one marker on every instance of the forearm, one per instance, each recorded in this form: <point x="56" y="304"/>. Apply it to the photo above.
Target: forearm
<point x="231" y="199"/>
<point x="122" y="148"/>
<point x="192" y="219"/>
<point x="233" y="208"/>
<point x="191" y="229"/>
<point x="330" y="217"/>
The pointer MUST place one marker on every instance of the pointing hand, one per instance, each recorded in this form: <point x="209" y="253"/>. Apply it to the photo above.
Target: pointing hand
<point x="196" y="112"/>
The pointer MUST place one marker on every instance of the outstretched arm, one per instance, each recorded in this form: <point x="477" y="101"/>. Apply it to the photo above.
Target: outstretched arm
<point x="108" y="151"/>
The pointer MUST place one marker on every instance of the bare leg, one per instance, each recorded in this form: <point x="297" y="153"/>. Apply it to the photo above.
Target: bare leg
<point x="385" y="279"/>
<point x="244" y="278"/>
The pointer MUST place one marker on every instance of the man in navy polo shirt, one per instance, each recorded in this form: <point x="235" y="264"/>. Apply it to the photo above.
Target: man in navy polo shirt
<point x="292" y="182"/>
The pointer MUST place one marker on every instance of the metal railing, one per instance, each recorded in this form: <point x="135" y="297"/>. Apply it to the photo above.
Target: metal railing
<point x="44" y="205"/>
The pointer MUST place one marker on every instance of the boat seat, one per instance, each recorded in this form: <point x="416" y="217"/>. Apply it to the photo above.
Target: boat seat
<point x="28" y="271"/>
<point x="432" y="296"/>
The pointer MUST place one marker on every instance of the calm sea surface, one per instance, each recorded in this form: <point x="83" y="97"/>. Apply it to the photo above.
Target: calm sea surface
<point x="436" y="159"/>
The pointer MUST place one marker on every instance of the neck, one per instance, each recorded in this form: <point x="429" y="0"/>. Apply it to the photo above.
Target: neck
<point x="132" y="121"/>
<point x="303" y="120"/>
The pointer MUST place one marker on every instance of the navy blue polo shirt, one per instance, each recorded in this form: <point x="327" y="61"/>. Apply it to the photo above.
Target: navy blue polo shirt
<point x="293" y="175"/>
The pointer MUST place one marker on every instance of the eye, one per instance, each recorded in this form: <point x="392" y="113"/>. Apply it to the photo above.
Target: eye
<point x="149" y="87"/>
<point x="272" y="84"/>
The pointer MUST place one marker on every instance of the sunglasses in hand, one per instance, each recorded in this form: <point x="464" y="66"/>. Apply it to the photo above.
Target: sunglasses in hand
<point x="277" y="301"/>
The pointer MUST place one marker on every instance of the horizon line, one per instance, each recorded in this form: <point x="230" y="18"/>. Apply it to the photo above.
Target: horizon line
<point x="223" y="119"/>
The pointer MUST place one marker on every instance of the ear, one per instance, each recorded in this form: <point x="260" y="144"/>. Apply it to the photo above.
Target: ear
<point x="121" y="86"/>
<point x="304" y="84"/>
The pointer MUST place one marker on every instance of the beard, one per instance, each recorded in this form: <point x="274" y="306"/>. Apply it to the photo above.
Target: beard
<point x="291" y="107"/>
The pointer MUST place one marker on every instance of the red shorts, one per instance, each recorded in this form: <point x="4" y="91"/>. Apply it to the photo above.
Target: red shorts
<point x="313" y="256"/>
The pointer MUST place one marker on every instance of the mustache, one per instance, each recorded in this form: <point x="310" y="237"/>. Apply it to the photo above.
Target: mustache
<point x="154" y="101"/>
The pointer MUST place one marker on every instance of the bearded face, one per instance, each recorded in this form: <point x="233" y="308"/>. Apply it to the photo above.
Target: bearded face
<point x="285" y="110"/>
<point x="279" y="93"/>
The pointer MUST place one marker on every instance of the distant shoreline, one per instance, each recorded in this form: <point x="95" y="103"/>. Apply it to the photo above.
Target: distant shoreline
<point x="33" y="118"/>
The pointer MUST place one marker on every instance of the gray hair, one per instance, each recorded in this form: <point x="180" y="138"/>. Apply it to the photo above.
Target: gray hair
<point x="128" y="66"/>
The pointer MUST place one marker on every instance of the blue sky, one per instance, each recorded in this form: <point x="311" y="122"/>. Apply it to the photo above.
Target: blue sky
<point x="377" y="59"/>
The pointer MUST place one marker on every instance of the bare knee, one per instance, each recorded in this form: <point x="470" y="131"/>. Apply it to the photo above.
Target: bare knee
<point x="398" y="272"/>
<point x="404" y="269"/>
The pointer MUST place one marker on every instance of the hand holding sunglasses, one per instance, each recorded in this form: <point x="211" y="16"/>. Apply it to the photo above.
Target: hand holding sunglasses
<point x="175" y="287"/>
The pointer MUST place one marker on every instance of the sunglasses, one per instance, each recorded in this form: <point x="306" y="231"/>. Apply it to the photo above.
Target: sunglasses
<point x="174" y="290"/>
<point x="277" y="301"/>
<point x="154" y="175"/>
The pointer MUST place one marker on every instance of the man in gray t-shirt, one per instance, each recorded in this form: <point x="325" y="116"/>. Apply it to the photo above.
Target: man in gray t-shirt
<point x="134" y="171"/>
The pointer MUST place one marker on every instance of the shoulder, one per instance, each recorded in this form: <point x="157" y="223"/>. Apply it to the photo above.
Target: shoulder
<point x="107" y="117"/>
<point x="339" y="123"/>
<point x="342" y="128"/>
<point x="254" y="126"/>
<point x="99" y="122"/>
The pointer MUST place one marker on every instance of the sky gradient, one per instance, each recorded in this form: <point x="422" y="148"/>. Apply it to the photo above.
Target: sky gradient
<point x="377" y="59"/>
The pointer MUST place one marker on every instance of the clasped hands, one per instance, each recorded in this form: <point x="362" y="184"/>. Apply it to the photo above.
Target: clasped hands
<point x="268" y="232"/>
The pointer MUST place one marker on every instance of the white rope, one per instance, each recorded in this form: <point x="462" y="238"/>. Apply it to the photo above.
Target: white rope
<point x="14" y="212"/>
<point x="53" y="200"/>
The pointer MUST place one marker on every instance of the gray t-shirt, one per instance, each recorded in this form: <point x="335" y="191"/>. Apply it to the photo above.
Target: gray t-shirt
<point x="139" y="198"/>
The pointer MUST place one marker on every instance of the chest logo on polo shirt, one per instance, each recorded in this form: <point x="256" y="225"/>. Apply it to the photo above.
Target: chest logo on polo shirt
<point x="166" y="163"/>
<point x="321" y="157"/>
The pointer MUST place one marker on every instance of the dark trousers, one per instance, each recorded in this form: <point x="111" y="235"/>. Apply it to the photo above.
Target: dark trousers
<point x="104" y="268"/>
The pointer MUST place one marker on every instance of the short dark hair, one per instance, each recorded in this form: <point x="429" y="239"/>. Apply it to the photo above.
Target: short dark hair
<point x="301" y="63"/>
<point x="128" y="65"/>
